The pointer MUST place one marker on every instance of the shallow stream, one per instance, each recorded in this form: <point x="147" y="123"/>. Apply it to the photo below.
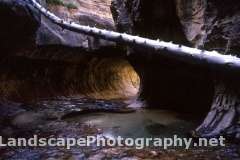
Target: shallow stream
<point x="76" y="118"/>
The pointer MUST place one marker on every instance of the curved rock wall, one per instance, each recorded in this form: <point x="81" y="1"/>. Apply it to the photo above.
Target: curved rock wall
<point x="65" y="63"/>
<point x="214" y="24"/>
<point x="24" y="79"/>
<point x="211" y="25"/>
<point x="165" y="82"/>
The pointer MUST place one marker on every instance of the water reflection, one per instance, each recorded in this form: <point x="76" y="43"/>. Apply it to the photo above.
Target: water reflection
<point x="142" y="123"/>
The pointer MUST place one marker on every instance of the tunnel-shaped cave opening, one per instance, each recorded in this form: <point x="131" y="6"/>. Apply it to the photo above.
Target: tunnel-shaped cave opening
<point x="89" y="76"/>
<point x="109" y="78"/>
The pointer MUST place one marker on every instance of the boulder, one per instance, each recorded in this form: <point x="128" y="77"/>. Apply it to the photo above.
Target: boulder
<point x="34" y="29"/>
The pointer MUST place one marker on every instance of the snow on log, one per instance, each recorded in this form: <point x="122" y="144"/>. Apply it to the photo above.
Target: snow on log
<point x="184" y="53"/>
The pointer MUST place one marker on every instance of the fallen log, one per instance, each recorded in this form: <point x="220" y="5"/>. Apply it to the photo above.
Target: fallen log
<point x="223" y="117"/>
<point x="179" y="52"/>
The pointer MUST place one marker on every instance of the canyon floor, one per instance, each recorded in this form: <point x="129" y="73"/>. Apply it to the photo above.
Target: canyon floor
<point x="64" y="117"/>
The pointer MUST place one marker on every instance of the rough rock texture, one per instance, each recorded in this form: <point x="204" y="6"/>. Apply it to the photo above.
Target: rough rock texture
<point x="33" y="29"/>
<point x="191" y="14"/>
<point x="92" y="13"/>
<point x="27" y="79"/>
<point x="165" y="82"/>
<point x="206" y="24"/>
<point x="55" y="68"/>
<point x="223" y="117"/>
<point x="213" y="24"/>
<point x="122" y="17"/>
<point x="156" y="19"/>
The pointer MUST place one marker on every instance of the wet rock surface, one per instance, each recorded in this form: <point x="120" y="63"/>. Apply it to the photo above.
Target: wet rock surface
<point x="194" y="23"/>
<point x="39" y="122"/>
<point x="159" y="20"/>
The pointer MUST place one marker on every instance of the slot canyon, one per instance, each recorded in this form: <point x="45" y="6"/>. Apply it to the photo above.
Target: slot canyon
<point x="56" y="82"/>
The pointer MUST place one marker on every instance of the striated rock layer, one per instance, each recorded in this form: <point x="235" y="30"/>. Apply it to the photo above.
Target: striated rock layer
<point x="165" y="83"/>
<point x="40" y="60"/>
<point x="200" y="23"/>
